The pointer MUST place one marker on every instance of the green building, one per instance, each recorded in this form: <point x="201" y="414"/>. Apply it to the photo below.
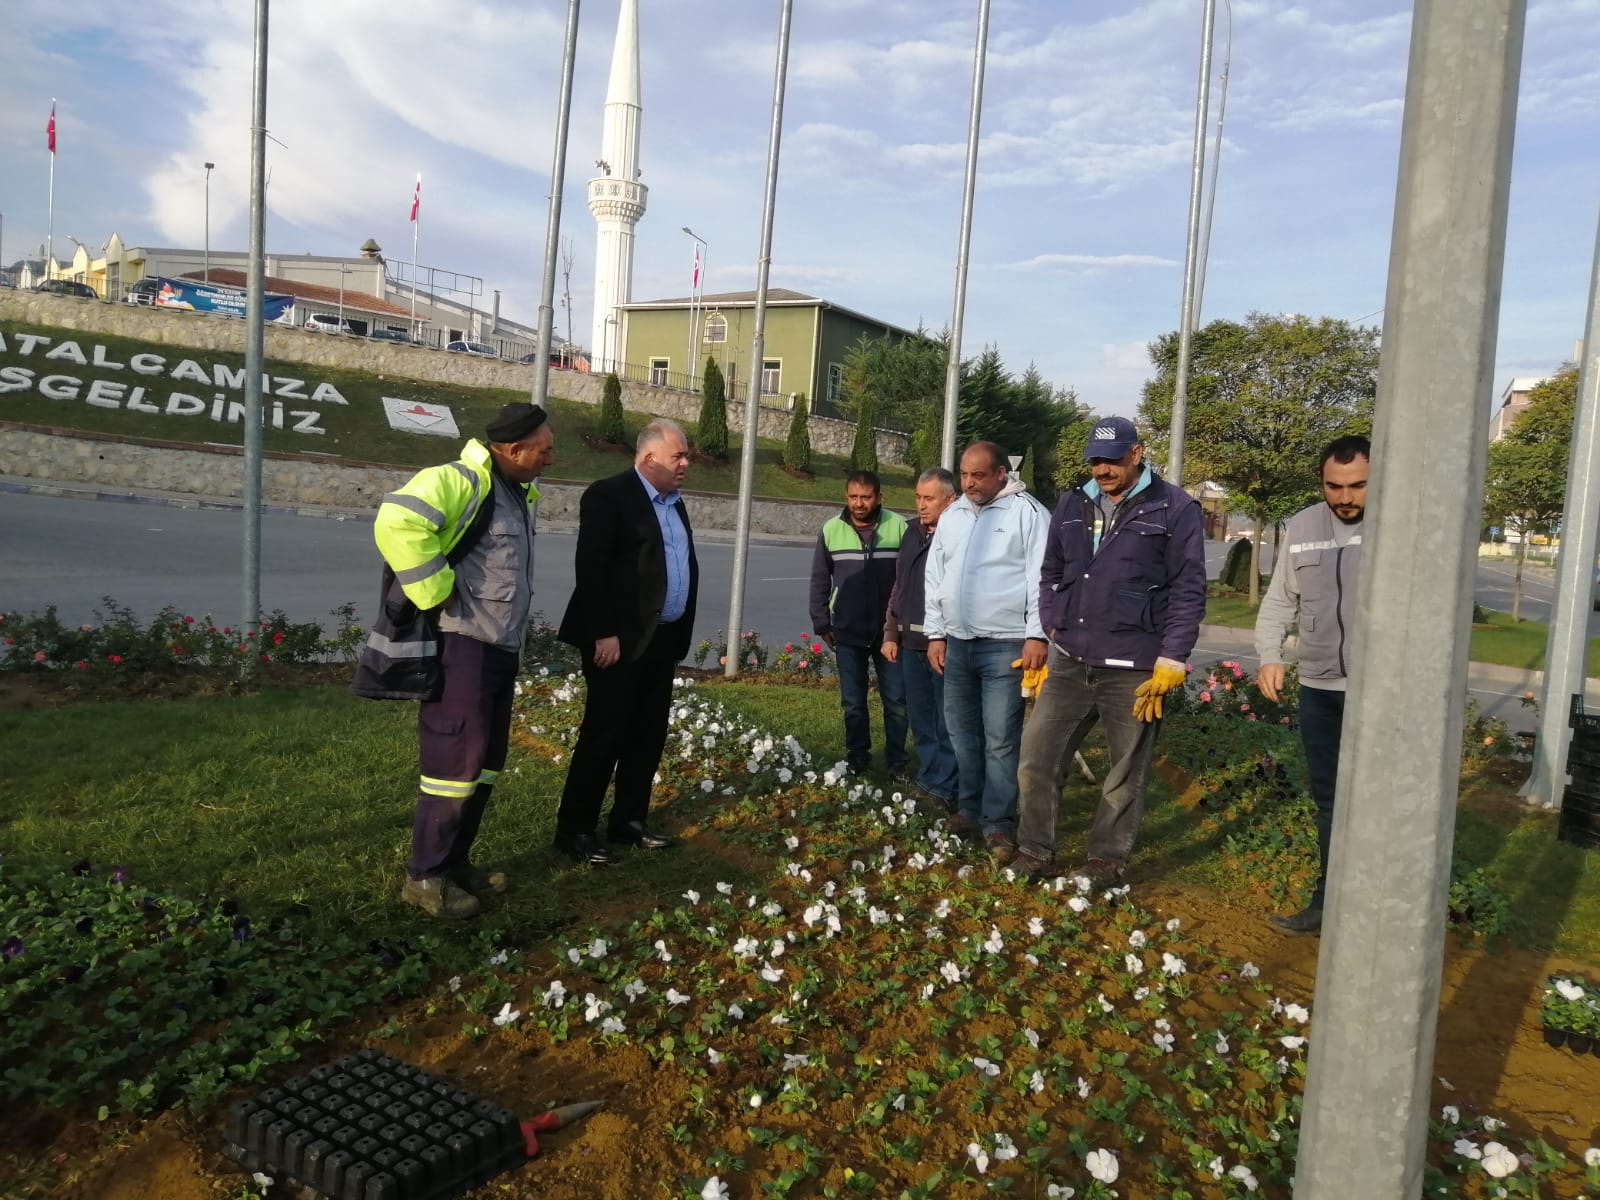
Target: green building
<point x="807" y="339"/>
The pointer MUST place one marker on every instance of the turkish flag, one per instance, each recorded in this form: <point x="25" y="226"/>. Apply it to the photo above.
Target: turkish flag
<point x="416" y="197"/>
<point x="50" y="129"/>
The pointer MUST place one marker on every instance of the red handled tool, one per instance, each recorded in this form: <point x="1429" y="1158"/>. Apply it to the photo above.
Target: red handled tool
<point x="553" y="1119"/>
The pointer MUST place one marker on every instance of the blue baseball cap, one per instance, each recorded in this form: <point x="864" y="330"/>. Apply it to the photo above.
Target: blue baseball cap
<point x="1110" y="437"/>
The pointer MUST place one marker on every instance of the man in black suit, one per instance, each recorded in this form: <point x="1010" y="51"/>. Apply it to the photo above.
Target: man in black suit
<point x="631" y="616"/>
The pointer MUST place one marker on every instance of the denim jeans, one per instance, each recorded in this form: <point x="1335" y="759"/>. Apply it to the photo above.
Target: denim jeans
<point x="983" y="711"/>
<point x="1321" y="719"/>
<point x="853" y="699"/>
<point x="1074" y="697"/>
<point x="936" y="758"/>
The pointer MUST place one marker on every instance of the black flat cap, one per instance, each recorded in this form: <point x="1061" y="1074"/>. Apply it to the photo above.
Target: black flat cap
<point x="515" y="421"/>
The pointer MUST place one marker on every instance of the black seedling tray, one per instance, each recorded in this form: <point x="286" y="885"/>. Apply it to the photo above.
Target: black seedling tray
<point x="369" y="1127"/>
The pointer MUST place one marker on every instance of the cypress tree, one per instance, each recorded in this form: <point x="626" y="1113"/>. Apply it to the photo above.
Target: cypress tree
<point x="711" y="434"/>
<point x="797" y="448"/>
<point x="612" y="427"/>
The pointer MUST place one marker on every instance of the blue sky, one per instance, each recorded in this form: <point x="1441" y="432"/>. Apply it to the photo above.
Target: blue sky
<point x="1083" y="191"/>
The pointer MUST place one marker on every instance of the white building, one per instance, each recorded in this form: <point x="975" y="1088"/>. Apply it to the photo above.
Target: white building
<point x="616" y="197"/>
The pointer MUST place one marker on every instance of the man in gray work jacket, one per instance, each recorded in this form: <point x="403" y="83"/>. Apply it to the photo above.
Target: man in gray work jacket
<point x="1314" y="587"/>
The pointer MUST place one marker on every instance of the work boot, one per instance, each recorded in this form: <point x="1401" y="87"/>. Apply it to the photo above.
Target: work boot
<point x="1306" y="921"/>
<point x="1001" y="849"/>
<point x="478" y="881"/>
<point x="440" y="897"/>
<point x="1029" y="865"/>
<point x="1102" y="872"/>
<point x="962" y="827"/>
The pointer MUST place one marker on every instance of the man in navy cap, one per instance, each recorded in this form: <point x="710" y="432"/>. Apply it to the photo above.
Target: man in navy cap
<point x="1121" y="595"/>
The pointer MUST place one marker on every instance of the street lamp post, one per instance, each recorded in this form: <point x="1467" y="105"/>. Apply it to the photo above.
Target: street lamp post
<point x="696" y="290"/>
<point x="605" y="356"/>
<point x="207" y="268"/>
<point x="343" y="270"/>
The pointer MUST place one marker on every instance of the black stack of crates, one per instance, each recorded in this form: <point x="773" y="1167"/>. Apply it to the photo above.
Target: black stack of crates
<point x="1580" y="802"/>
<point x="370" y="1127"/>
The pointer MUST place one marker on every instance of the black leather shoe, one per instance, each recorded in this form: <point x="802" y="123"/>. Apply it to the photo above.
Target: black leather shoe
<point x="637" y="833"/>
<point x="1306" y="921"/>
<point x="584" y="848"/>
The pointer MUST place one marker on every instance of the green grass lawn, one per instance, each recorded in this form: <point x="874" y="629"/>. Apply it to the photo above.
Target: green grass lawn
<point x="303" y="798"/>
<point x="358" y="429"/>
<point x="1498" y="639"/>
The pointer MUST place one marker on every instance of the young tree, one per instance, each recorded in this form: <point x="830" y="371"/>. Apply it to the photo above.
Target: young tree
<point x="864" y="450"/>
<point x="923" y="449"/>
<point x="797" y="447"/>
<point x="1525" y="485"/>
<point x="1265" y="396"/>
<point x="612" y="427"/>
<point x="711" y="433"/>
<point x="899" y="376"/>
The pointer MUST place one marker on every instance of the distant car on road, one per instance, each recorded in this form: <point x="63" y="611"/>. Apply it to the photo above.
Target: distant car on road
<point x="398" y="336"/>
<point x="477" y="349"/>
<point x="556" y="359"/>
<point x="324" y="323"/>
<point x="67" y="287"/>
<point x="143" y="291"/>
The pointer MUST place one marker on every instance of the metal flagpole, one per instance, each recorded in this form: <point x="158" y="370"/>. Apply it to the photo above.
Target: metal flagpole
<point x="416" y="228"/>
<point x="1564" y="658"/>
<point x="254" y="335"/>
<point x="50" y="212"/>
<point x="552" y="230"/>
<point x="1180" y="387"/>
<point x="1370" y="1069"/>
<point x="752" y="399"/>
<point x="952" y="370"/>
<point x="702" y="254"/>
<point x="1216" y="167"/>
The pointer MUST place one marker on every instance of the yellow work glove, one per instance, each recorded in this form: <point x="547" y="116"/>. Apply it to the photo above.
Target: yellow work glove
<point x="1147" y="697"/>
<point x="1032" y="680"/>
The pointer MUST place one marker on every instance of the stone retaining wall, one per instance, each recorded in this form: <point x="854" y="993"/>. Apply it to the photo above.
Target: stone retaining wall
<point x="201" y="331"/>
<point x="294" y="479"/>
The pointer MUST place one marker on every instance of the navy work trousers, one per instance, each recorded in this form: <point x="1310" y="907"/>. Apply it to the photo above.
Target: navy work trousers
<point x="461" y="740"/>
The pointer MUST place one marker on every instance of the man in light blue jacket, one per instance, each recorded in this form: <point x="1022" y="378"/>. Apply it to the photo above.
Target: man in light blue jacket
<point x="982" y="616"/>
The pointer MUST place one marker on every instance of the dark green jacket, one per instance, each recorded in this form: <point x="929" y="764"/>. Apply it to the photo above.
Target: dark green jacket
<point x="852" y="575"/>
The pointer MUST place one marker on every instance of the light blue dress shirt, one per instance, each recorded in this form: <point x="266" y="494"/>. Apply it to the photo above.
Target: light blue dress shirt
<point x="675" y="540"/>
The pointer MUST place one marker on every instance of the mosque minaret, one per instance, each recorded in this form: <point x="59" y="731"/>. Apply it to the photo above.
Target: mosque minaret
<point x="616" y="197"/>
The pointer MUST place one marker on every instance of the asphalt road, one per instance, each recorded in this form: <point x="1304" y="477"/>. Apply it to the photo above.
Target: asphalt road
<point x="72" y="552"/>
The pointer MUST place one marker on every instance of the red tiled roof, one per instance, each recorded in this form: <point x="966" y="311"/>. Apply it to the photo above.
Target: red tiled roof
<point x="353" y="301"/>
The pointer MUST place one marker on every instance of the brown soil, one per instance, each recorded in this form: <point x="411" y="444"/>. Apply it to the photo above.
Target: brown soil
<point x="808" y="476"/>
<point x="1490" y="1058"/>
<point x="603" y="446"/>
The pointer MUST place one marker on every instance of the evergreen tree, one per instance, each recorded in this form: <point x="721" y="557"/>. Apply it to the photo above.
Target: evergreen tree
<point x="797" y="448"/>
<point x="923" y="450"/>
<point x="864" y="451"/>
<point x="612" y="427"/>
<point x="711" y="434"/>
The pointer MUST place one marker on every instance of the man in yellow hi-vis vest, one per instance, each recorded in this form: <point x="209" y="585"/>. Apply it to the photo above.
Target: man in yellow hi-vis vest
<point x="482" y="602"/>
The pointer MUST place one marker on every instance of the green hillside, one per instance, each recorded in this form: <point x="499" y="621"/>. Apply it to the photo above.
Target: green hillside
<point x="79" y="380"/>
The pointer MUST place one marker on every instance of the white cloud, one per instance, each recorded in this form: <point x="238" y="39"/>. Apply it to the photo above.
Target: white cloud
<point x="1126" y="356"/>
<point x="1094" y="263"/>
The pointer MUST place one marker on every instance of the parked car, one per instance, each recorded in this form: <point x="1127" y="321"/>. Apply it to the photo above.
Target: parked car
<point x="324" y="323"/>
<point x="556" y="359"/>
<point x="144" y="291"/>
<point x="398" y="336"/>
<point x="477" y="349"/>
<point x="67" y="287"/>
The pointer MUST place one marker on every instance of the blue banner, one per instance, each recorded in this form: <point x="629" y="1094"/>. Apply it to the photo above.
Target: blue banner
<point x="216" y="298"/>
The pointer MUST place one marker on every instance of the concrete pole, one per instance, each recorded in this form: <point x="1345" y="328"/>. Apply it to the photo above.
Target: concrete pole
<point x="752" y="391"/>
<point x="1364" y="1127"/>
<point x="255" y="334"/>
<point x="1191" y="254"/>
<point x="552" y="229"/>
<point x="1566" y="650"/>
<point x="952" y="370"/>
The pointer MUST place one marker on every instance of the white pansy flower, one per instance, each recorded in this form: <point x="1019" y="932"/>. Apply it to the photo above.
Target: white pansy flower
<point x="1492" y="1124"/>
<point x="506" y="1015"/>
<point x="707" y="785"/>
<point x="715" y="1189"/>
<point x="1078" y="904"/>
<point x="262" y="1179"/>
<point x="1133" y="963"/>
<point x="1035" y="927"/>
<point x="1243" y="1174"/>
<point x="1221" y="1044"/>
<point x="736" y="1012"/>
<point x="1036" y="1082"/>
<point x="1172" y="925"/>
<point x="1498" y="1161"/>
<point x="1137" y="939"/>
<point x="1004" y="1148"/>
<point x="1591" y="1157"/>
<point x="1173" y="965"/>
<point x="1102" y="1164"/>
<point x="662" y="952"/>
<point x="950" y="972"/>
<point x="1060" y="1190"/>
<point x="1292" y="1043"/>
<point x="635" y="989"/>
<point x="988" y="1068"/>
<point x="1163" y="1042"/>
<point x="1296" y="1013"/>
<point x="979" y="1159"/>
<point x="1032" y="1036"/>
<point x="598" y="948"/>
<point x="675" y="998"/>
<point x="692" y="896"/>
<point x="574" y="955"/>
<point x="555" y="995"/>
<point x="499" y="959"/>
<point x="455" y="983"/>
<point x="1217" y="1167"/>
<point x="1450" y="1114"/>
<point x="1467" y="1149"/>
<point x="1249" y="971"/>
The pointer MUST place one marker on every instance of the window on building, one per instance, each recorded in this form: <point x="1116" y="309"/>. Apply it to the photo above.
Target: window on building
<point x="658" y="371"/>
<point x="716" y="328"/>
<point x="835" y="382"/>
<point x="771" y="368"/>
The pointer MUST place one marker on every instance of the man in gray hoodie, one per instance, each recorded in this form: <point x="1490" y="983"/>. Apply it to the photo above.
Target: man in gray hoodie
<point x="1314" y="587"/>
